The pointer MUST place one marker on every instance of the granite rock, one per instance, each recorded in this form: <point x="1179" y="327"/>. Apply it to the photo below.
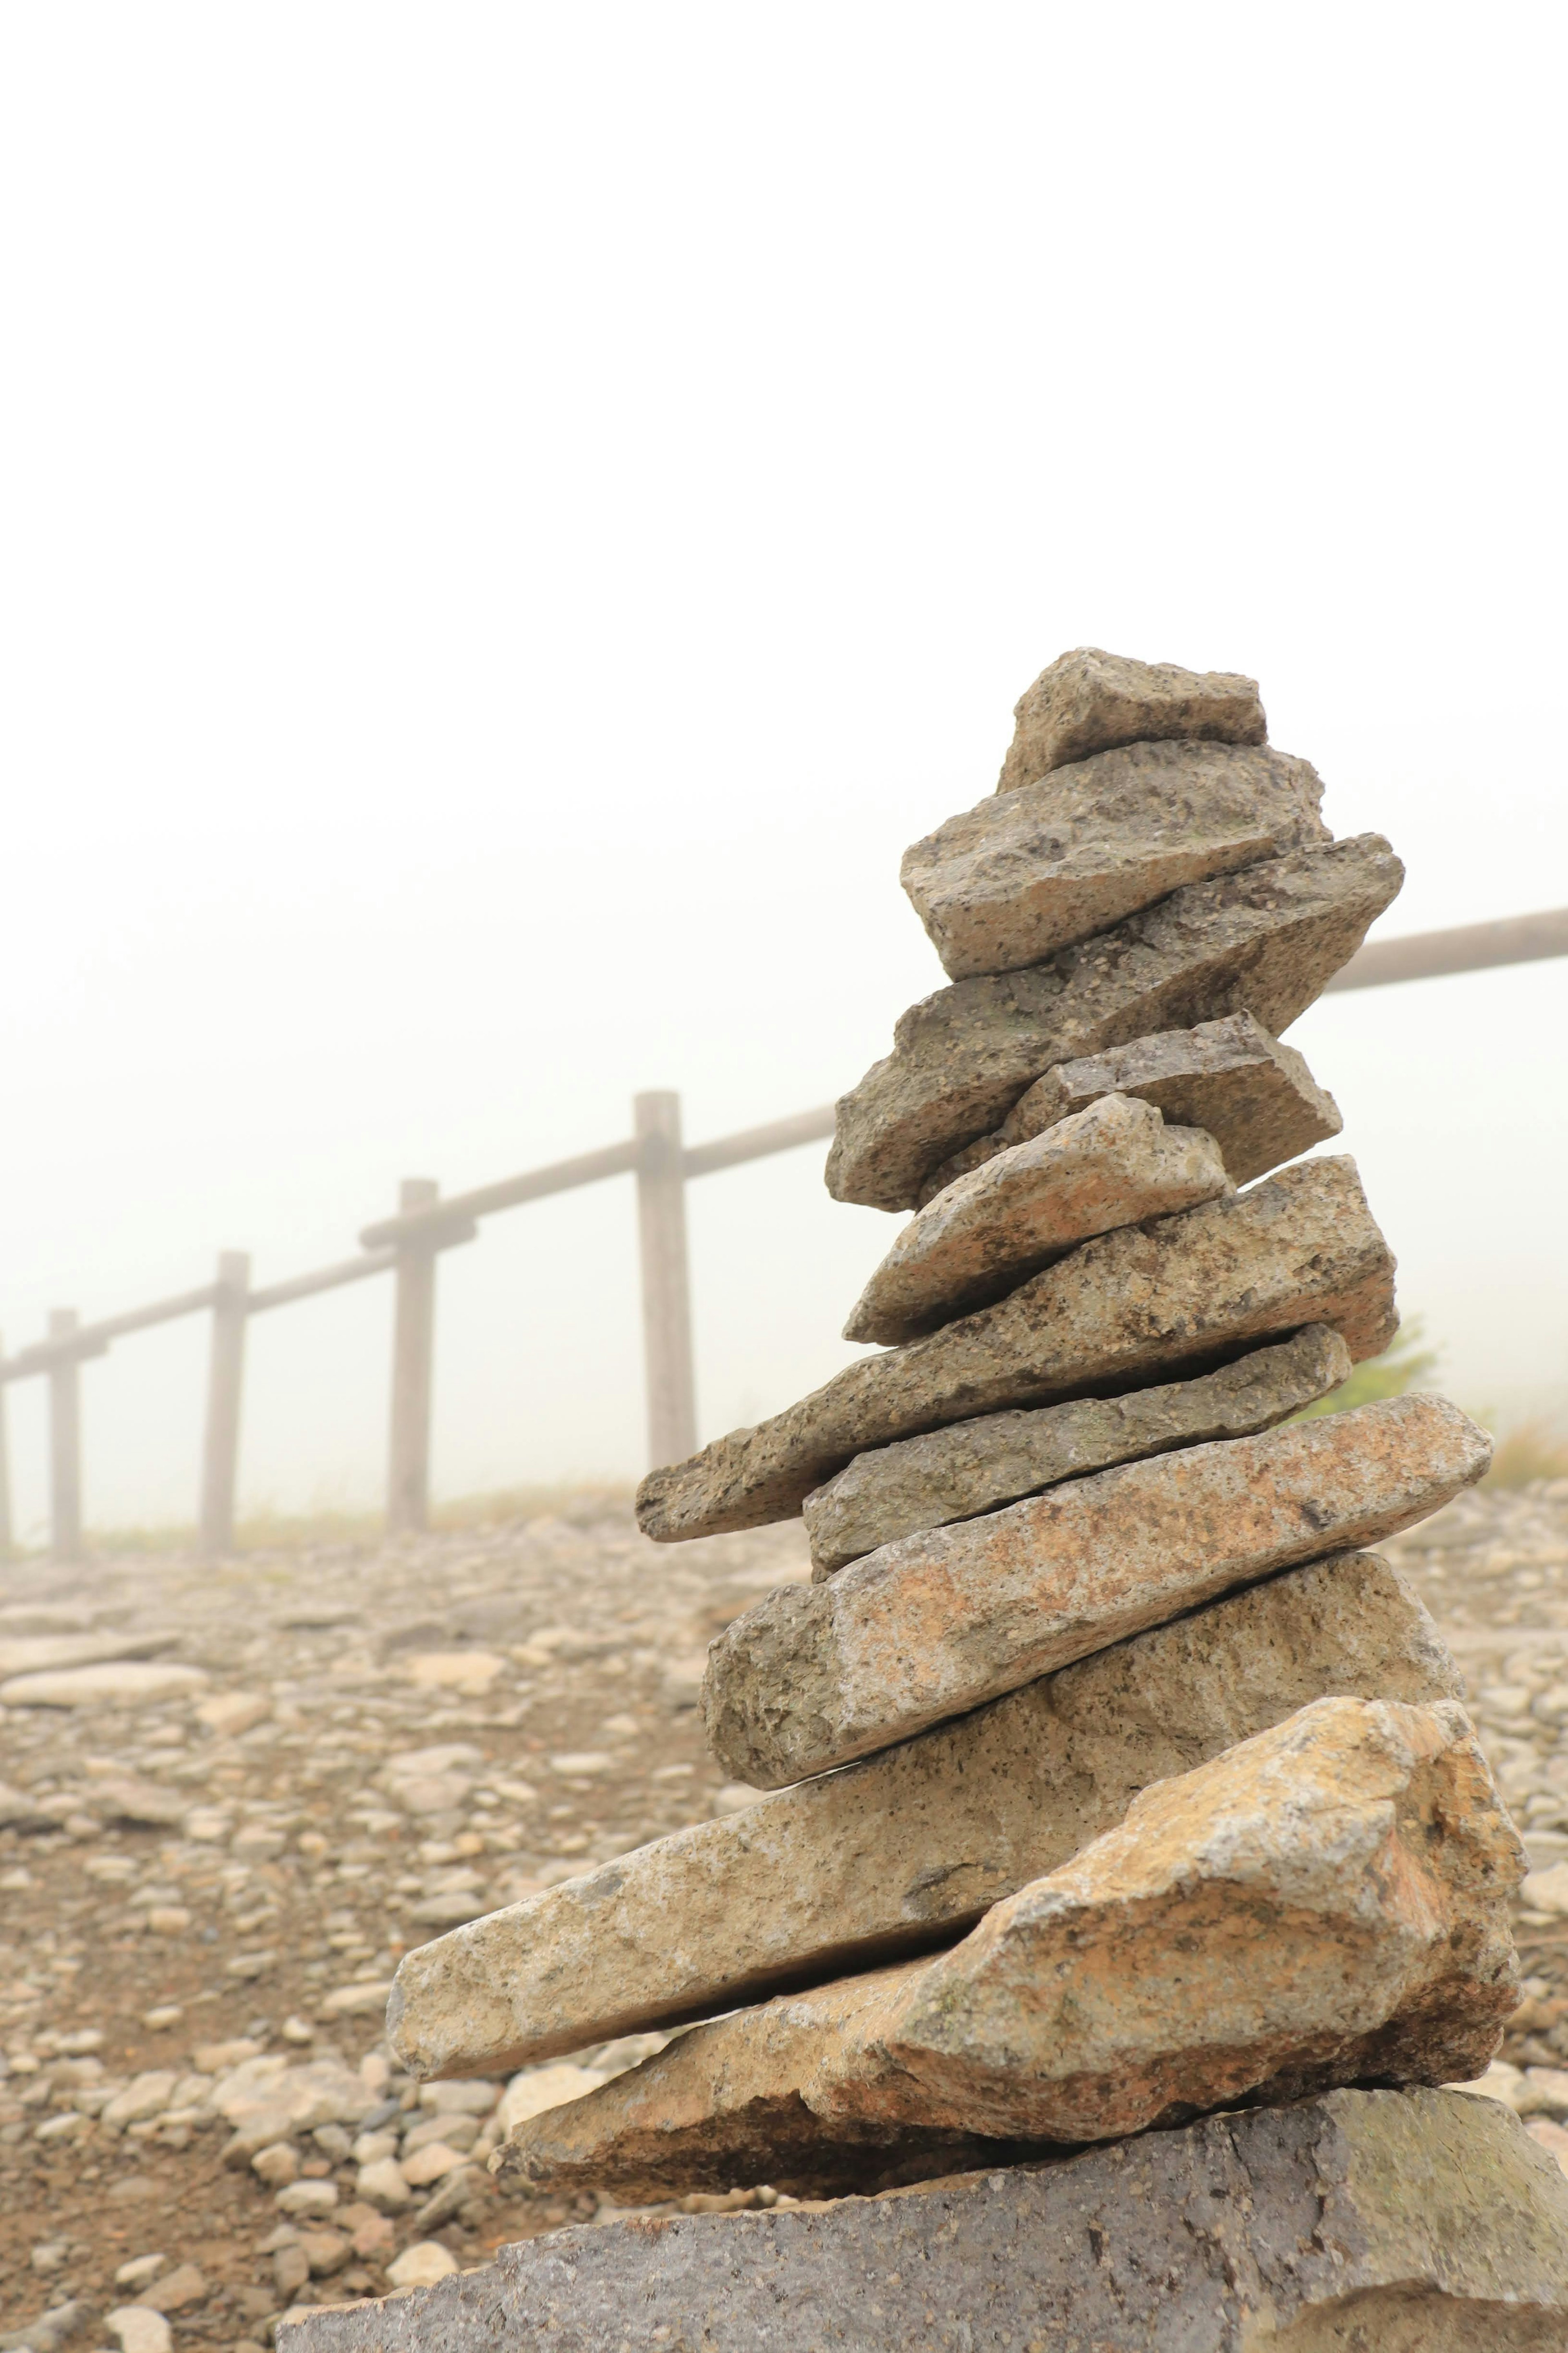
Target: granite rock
<point x="1033" y="870"/>
<point x="1255" y="1097"/>
<point x="1263" y="942"/>
<point x="1323" y="1903"/>
<point x="933" y="1624"/>
<point x="1089" y="701"/>
<point x="1113" y="1164"/>
<point x="1145" y="1304"/>
<point x="899" y="1852"/>
<point x="976" y="1466"/>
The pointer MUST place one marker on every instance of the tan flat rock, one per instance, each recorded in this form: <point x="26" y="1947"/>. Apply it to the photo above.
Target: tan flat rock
<point x="1145" y="1303"/>
<point x="976" y="1466"/>
<point x="1089" y="701"/>
<point x="818" y="1674"/>
<point x="1029" y="871"/>
<point x="1263" y="942"/>
<point x="1255" y="1097"/>
<point x="1113" y="1164"/>
<point x="1324" y="1904"/>
<point x="897" y="1854"/>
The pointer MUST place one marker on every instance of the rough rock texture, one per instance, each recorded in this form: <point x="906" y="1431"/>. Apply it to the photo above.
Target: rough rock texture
<point x="1176" y="1297"/>
<point x="1113" y="1164"/>
<point x="1033" y="870"/>
<point x="1263" y="942"/>
<point x="1089" y="701"/>
<point x="818" y="1674"/>
<point x="899" y="1852"/>
<point x="976" y="1466"/>
<point x="1322" y="1903"/>
<point x="1255" y="1097"/>
<point x="1417" y="2221"/>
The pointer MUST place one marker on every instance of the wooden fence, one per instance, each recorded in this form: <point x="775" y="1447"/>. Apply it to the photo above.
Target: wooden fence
<point x="407" y="1245"/>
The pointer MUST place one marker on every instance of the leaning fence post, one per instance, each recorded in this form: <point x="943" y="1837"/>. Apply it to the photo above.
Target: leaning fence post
<point x="65" y="1443"/>
<point x="226" y="1377"/>
<point x="666" y="1284"/>
<point x="7" y="1538"/>
<point x="413" y="1346"/>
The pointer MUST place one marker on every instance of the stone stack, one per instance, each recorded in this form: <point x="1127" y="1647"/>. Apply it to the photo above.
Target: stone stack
<point x="1116" y="1784"/>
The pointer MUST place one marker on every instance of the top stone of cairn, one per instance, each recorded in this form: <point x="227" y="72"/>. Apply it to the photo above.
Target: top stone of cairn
<point x="1089" y="700"/>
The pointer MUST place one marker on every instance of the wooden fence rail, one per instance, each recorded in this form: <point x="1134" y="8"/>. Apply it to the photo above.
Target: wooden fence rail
<point x="408" y="1244"/>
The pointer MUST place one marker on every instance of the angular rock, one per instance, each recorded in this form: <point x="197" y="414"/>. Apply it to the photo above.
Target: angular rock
<point x="1033" y="870"/>
<point x="1263" y="942"/>
<point x="818" y="1674"/>
<point x="900" y="1852"/>
<point x="1414" y="2222"/>
<point x="1146" y="1304"/>
<point x="1255" y="1097"/>
<point x="976" y="1466"/>
<point x="1114" y="1164"/>
<point x="1324" y="1904"/>
<point x="1089" y="701"/>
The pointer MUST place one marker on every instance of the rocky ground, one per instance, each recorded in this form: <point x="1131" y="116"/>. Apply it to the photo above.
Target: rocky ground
<point x="232" y="1798"/>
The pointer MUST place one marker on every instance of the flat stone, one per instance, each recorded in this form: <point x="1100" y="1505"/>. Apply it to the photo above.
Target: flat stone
<point x="36" y="1653"/>
<point x="1089" y="701"/>
<point x="127" y="1686"/>
<point x="897" y="1853"/>
<point x="1113" y="1164"/>
<point x="818" y="1674"/>
<point x="1263" y="942"/>
<point x="1033" y="870"/>
<point x="976" y="1466"/>
<point x="1143" y="1304"/>
<point x="1325" y="1903"/>
<point x="1255" y="1097"/>
<point x="1414" y="2221"/>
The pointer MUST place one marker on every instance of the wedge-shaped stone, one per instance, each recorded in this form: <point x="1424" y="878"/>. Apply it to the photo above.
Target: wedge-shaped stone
<point x="1033" y="870"/>
<point x="1148" y="1303"/>
<point x="977" y="1466"/>
<point x="1264" y="943"/>
<point x="1255" y="1097"/>
<point x="1322" y="1903"/>
<point x="816" y="1674"/>
<point x="1113" y="1164"/>
<point x="1089" y="701"/>
<point x="902" y="1853"/>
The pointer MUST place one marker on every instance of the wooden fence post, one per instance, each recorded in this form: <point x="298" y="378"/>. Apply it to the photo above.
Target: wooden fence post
<point x="65" y="1443"/>
<point x="8" y="1534"/>
<point x="666" y="1284"/>
<point x="226" y="1378"/>
<point x="412" y="1347"/>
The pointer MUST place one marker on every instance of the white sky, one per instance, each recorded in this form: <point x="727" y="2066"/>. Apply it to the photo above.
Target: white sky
<point x="511" y="517"/>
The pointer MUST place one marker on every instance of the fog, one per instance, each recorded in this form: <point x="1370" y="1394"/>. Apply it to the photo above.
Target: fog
<point x="513" y="517"/>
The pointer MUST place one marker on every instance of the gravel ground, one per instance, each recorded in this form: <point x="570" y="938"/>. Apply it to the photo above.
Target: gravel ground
<point x="204" y="1888"/>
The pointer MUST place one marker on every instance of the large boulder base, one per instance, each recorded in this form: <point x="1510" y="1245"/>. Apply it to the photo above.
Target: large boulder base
<point x="1146" y="1304"/>
<point x="1089" y="701"/>
<point x="1255" y="1097"/>
<point x="1264" y="943"/>
<point x="1114" y="1164"/>
<point x="908" y="1848"/>
<point x="977" y="1466"/>
<point x="1033" y="870"/>
<point x="1324" y="1904"/>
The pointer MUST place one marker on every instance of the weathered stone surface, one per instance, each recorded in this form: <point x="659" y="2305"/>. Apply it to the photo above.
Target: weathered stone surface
<point x="1323" y="1903"/>
<point x="976" y="1466"/>
<point x="1414" y="2222"/>
<point x="1033" y="870"/>
<point x="1145" y="1303"/>
<point x="1089" y="701"/>
<point x="1113" y="1164"/>
<point x="897" y="1853"/>
<point x="126" y="1684"/>
<point x="933" y="1624"/>
<point x="1263" y="942"/>
<point x="1255" y="1097"/>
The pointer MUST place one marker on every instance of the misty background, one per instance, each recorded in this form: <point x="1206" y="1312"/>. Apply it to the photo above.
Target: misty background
<point x="511" y="518"/>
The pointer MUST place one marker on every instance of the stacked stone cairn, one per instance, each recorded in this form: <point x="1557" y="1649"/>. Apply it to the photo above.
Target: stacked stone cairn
<point x="1119" y="1790"/>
